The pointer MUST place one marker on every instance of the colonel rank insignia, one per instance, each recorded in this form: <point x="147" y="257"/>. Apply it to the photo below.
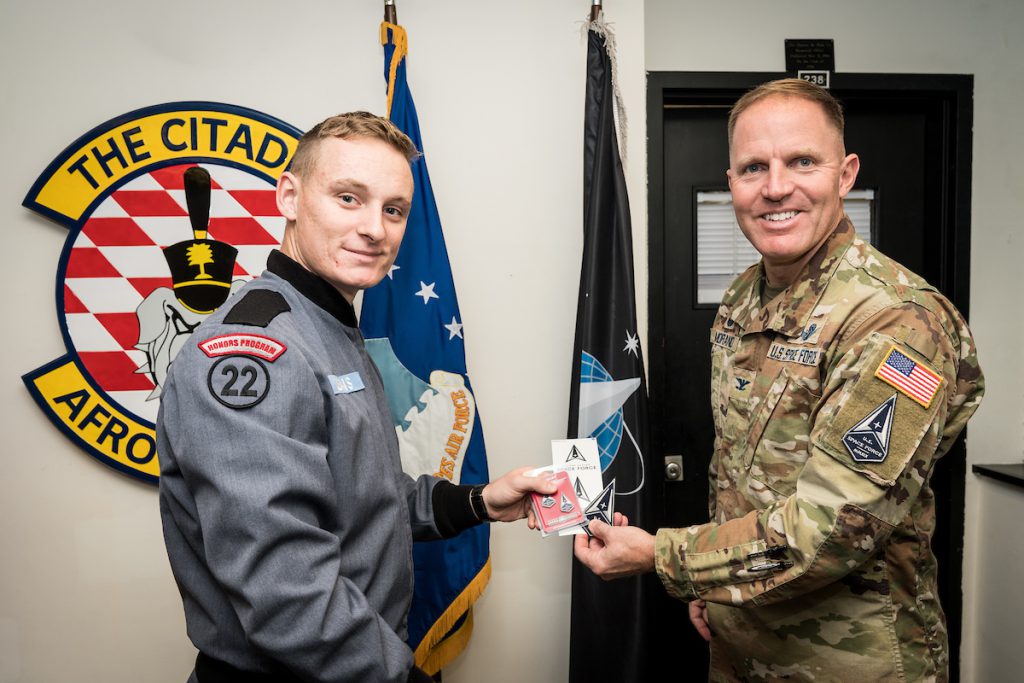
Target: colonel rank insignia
<point x="169" y="210"/>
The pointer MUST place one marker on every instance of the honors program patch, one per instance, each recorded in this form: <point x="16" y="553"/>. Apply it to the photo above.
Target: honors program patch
<point x="247" y="344"/>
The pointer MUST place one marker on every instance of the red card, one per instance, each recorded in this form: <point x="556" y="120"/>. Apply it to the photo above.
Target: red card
<point x="559" y="510"/>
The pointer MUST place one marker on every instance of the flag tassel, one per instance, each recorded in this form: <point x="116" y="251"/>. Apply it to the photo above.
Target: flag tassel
<point x="598" y="25"/>
<point x="401" y="43"/>
<point x="432" y="653"/>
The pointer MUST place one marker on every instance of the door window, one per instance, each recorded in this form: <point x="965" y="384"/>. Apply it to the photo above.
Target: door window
<point x="723" y="252"/>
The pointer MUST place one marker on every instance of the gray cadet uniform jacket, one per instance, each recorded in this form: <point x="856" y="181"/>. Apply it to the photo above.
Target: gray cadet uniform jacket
<point x="287" y="517"/>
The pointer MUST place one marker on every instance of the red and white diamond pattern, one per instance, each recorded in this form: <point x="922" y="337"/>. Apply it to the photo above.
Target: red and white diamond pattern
<point x="116" y="261"/>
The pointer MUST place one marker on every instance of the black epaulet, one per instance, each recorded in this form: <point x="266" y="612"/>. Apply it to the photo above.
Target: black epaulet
<point x="258" y="307"/>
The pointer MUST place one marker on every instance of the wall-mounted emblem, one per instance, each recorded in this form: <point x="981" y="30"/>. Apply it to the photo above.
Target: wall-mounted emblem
<point x="169" y="209"/>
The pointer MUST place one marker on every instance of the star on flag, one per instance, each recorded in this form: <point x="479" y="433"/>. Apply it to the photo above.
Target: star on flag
<point x="427" y="292"/>
<point x="632" y="344"/>
<point x="454" y="329"/>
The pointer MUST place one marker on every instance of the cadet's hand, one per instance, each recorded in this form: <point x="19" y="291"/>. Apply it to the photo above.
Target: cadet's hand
<point x="507" y="499"/>
<point x="615" y="551"/>
<point x="699" y="618"/>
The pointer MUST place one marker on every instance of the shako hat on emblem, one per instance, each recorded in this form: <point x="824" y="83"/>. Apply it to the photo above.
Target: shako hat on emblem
<point x="201" y="268"/>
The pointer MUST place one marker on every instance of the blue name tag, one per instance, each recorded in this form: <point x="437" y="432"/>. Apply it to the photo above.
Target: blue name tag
<point x="346" y="384"/>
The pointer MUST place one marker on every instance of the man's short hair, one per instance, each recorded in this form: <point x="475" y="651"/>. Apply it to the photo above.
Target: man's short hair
<point x="791" y="87"/>
<point x="351" y="125"/>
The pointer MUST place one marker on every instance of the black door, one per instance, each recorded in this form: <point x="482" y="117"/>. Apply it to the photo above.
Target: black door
<point x="912" y="134"/>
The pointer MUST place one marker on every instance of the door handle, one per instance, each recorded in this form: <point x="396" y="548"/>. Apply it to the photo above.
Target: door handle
<point x="673" y="468"/>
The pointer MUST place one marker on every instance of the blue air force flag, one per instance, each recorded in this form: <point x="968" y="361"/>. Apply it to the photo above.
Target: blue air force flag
<point x="414" y="333"/>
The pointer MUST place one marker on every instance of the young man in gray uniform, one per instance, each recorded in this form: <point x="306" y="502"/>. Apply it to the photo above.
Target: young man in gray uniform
<point x="287" y="517"/>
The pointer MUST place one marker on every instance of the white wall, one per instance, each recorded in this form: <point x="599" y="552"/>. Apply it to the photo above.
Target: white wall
<point x="85" y="591"/>
<point x="924" y="36"/>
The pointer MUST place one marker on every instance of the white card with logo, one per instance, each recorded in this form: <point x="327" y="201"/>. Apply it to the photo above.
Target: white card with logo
<point x="582" y="461"/>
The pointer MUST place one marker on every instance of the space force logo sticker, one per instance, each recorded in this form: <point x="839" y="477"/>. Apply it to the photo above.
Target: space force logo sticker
<point x="169" y="210"/>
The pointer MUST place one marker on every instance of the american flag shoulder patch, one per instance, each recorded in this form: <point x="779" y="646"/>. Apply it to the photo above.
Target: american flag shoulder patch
<point x="910" y="377"/>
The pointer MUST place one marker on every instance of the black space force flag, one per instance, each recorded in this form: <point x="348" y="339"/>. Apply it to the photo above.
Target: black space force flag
<point x="608" y="398"/>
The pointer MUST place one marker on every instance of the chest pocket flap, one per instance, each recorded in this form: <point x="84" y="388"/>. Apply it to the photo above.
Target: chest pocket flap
<point x="780" y="436"/>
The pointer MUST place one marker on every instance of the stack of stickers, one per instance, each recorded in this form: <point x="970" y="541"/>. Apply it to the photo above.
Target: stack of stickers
<point x="581" y="495"/>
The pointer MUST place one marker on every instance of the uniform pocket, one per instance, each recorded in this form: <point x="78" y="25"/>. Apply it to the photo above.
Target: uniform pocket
<point x="780" y="445"/>
<point x="747" y="403"/>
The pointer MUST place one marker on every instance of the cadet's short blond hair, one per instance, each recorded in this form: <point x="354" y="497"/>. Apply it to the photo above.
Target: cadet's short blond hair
<point x="791" y="87"/>
<point x="350" y="125"/>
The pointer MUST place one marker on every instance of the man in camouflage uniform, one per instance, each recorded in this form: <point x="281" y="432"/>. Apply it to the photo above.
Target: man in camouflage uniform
<point x="839" y="378"/>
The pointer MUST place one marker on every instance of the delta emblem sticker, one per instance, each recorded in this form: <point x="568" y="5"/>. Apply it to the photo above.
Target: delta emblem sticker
<point x="169" y="210"/>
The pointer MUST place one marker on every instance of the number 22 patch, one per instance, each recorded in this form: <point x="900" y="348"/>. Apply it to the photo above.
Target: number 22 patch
<point x="238" y="381"/>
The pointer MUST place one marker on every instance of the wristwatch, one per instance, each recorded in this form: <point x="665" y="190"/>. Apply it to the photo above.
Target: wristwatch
<point x="476" y="500"/>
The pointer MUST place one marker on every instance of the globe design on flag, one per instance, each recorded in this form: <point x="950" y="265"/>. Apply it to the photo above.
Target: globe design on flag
<point x="609" y="433"/>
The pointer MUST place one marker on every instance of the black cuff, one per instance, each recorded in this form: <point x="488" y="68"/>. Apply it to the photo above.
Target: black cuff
<point x="418" y="675"/>
<point x="453" y="512"/>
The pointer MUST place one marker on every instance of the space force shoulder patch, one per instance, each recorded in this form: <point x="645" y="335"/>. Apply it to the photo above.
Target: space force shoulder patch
<point x="877" y="431"/>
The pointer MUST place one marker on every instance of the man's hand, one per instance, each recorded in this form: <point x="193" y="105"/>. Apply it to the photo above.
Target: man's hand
<point x="615" y="551"/>
<point x="507" y="499"/>
<point x="699" y="618"/>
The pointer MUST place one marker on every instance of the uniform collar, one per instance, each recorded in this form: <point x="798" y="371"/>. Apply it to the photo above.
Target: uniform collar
<point x="313" y="287"/>
<point x="789" y="312"/>
<point x="742" y="301"/>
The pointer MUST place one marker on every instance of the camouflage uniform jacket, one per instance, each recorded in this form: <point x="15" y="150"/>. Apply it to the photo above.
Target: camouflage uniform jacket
<point x="832" y="403"/>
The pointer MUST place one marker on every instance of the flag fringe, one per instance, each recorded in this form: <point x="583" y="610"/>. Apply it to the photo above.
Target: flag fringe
<point x="401" y="42"/>
<point x="445" y="652"/>
<point x="435" y="651"/>
<point x="601" y="28"/>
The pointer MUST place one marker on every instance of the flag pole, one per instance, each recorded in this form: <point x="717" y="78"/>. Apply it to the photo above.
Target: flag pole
<point x="390" y="12"/>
